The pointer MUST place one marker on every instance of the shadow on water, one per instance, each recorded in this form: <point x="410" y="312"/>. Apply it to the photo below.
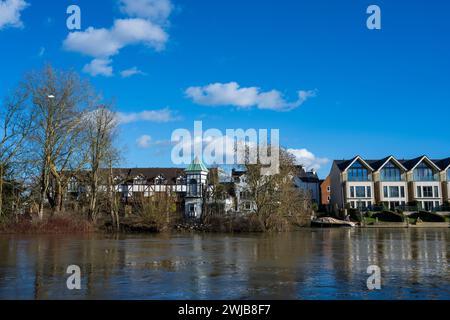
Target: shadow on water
<point x="307" y="264"/>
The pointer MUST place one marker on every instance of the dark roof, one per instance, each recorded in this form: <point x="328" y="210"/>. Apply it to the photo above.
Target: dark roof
<point x="442" y="164"/>
<point x="307" y="176"/>
<point x="407" y="163"/>
<point x="237" y="173"/>
<point x="343" y="164"/>
<point x="376" y="164"/>
<point x="149" y="174"/>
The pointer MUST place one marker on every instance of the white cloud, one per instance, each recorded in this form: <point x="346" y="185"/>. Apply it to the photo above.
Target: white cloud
<point x="144" y="25"/>
<point x="307" y="159"/>
<point x="144" y="141"/>
<point x="154" y="10"/>
<point x="102" y="43"/>
<point x="131" y="72"/>
<point x="161" y="116"/>
<point x="41" y="52"/>
<point x="231" y="94"/>
<point x="10" y="11"/>
<point x="99" y="67"/>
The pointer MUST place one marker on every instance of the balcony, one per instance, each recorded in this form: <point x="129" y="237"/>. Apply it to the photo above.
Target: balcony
<point x="434" y="178"/>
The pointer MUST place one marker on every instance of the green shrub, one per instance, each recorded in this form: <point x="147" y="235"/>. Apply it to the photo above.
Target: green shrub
<point x="428" y="216"/>
<point x="389" y="216"/>
<point x="355" y="215"/>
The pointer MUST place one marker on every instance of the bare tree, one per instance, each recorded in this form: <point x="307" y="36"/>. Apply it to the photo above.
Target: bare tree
<point x="277" y="201"/>
<point x="101" y="127"/>
<point x="16" y="126"/>
<point x="60" y="101"/>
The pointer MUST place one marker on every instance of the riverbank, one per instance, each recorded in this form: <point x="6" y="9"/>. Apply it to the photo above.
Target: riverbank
<point x="72" y="224"/>
<point x="50" y="225"/>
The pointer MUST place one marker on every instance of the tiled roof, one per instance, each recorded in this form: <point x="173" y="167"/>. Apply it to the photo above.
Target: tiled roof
<point x="149" y="174"/>
<point x="442" y="164"/>
<point x="407" y="163"/>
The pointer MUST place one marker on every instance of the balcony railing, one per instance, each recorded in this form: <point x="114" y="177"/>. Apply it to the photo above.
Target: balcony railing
<point x="426" y="178"/>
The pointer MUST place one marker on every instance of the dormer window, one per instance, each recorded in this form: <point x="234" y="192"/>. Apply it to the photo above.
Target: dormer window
<point x="160" y="180"/>
<point x="390" y="172"/>
<point x="180" y="180"/>
<point x="423" y="172"/>
<point x="139" y="180"/>
<point x="357" y="172"/>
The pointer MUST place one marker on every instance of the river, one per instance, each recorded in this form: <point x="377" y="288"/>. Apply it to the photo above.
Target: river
<point x="306" y="264"/>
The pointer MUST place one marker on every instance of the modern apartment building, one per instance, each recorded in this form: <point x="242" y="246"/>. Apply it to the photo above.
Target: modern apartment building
<point x="445" y="178"/>
<point x="364" y="184"/>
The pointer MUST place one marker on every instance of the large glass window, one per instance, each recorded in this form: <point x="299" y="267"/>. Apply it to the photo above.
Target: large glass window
<point x="448" y="175"/>
<point x="394" y="192"/>
<point x="391" y="173"/>
<point x="385" y="192"/>
<point x="352" y="192"/>
<point x="436" y="192"/>
<point x="419" y="192"/>
<point x="360" y="192"/>
<point x="423" y="173"/>
<point x="357" y="172"/>
<point x="427" y="192"/>
<point x="402" y="192"/>
<point x="369" y="192"/>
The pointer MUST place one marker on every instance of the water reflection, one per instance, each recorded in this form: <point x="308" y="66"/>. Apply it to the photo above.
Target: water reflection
<point x="309" y="264"/>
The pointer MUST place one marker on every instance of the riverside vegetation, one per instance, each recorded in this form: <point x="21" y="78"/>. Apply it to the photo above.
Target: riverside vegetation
<point x="55" y="125"/>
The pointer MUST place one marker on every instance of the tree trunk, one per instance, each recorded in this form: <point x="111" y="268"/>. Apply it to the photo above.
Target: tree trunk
<point x="42" y="195"/>
<point x="1" y="190"/>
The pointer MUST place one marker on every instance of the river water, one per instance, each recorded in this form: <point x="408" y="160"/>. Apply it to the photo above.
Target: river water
<point x="306" y="264"/>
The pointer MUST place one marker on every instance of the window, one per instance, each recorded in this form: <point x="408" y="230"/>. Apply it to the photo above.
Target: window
<point x="357" y="172"/>
<point x="352" y="192"/>
<point x="436" y="204"/>
<point x="360" y="205"/>
<point x="139" y="180"/>
<point x="391" y="173"/>
<point x="328" y="198"/>
<point x="160" y="180"/>
<point x="436" y="191"/>
<point x="194" y="187"/>
<point x="423" y="173"/>
<point x="328" y="189"/>
<point x="419" y="192"/>
<point x="72" y="187"/>
<point x="427" y="192"/>
<point x="180" y="180"/>
<point x="448" y="175"/>
<point x="385" y="192"/>
<point x="402" y="192"/>
<point x="369" y="192"/>
<point x="369" y="204"/>
<point x="360" y="192"/>
<point x="394" y="192"/>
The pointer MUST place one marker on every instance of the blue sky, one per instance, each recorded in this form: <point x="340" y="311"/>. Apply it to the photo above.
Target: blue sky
<point x="367" y="92"/>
